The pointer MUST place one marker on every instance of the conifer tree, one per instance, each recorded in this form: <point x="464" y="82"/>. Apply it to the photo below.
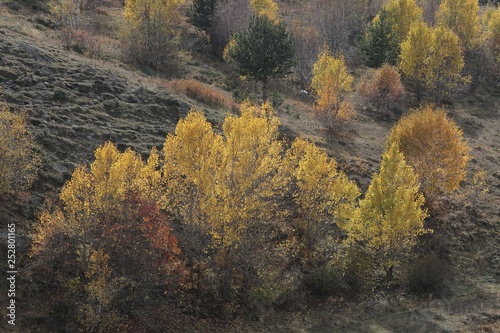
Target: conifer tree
<point x="201" y="14"/>
<point x="381" y="43"/>
<point x="265" y="50"/>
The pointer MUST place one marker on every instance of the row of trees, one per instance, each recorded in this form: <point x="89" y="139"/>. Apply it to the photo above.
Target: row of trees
<point x="225" y="221"/>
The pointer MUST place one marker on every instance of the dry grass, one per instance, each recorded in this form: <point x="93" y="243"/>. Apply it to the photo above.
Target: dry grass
<point x="202" y="92"/>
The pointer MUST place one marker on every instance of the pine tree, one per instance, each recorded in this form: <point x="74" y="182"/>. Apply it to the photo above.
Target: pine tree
<point x="201" y="14"/>
<point x="265" y="50"/>
<point x="380" y="44"/>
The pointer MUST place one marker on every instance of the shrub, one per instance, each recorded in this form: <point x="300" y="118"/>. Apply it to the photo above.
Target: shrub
<point x="428" y="275"/>
<point x="384" y="88"/>
<point x="202" y="92"/>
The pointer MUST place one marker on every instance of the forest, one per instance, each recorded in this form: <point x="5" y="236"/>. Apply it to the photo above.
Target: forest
<point x="250" y="165"/>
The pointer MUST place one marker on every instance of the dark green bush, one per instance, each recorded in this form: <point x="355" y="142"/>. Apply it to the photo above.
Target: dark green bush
<point x="428" y="275"/>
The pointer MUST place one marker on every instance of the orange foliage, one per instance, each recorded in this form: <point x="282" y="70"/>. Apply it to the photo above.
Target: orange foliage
<point x="202" y="92"/>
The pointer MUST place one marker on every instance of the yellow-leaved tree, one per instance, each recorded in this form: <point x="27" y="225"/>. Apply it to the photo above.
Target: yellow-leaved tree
<point x="18" y="159"/>
<point x="462" y="17"/>
<point x="150" y="31"/>
<point x="324" y="195"/>
<point x="403" y="14"/>
<point x="414" y="57"/>
<point x="332" y="83"/>
<point x="432" y="58"/>
<point x="434" y="146"/>
<point x="445" y="64"/>
<point x="226" y="189"/>
<point x="391" y="216"/>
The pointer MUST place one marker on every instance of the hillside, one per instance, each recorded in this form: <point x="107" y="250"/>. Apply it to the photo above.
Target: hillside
<point x="74" y="104"/>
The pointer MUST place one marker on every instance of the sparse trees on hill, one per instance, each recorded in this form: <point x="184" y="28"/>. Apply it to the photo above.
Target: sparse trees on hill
<point x="263" y="51"/>
<point x="433" y="145"/>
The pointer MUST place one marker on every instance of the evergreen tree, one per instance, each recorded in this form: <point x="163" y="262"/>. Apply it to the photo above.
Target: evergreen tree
<point x="263" y="51"/>
<point x="381" y="44"/>
<point x="201" y="14"/>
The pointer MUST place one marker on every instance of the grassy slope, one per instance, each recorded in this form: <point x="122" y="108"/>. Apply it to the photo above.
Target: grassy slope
<point x="74" y="104"/>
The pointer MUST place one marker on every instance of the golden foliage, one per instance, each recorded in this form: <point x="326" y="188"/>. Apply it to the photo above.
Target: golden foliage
<point x="225" y="181"/>
<point x="323" y="194"/>
<point x="432" y="57"/>
<point x="332" y="83"/>
<point x="390" y="217"/>
<point x="18" y="159"/>
<point x="433" y="145"/>
<point x="462" y="17"/>
<point x="150" y="31"/>
<point x="403" y="14"/>
<point x="265" y="7"/>
<point x="202" y="92"/>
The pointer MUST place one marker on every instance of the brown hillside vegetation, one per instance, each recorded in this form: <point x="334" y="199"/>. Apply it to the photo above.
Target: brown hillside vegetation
<point x="74" y="103"/>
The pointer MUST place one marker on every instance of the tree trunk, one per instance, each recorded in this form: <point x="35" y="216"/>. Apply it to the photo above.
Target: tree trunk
<point x="264" y="91"/>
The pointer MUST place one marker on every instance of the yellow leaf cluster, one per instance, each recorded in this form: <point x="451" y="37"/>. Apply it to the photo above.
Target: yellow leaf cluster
<point x="390" y="217"/>
<point x="224" y="182"/>
<point x="18" y="160"/>
<point x="332" y="83"/>
<point x="324" y="195"/>
<point x="433" y="145"/>
<point x="265" y="7"/>
<point x="403" y="14"/>
<point x="432" y="57"/>
<point x="461" y="16"/>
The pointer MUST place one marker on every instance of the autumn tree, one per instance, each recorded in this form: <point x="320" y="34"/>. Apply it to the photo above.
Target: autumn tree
<point x="391" y="216"/>
<point x="462" y="17"/>
<point x="445" y="64"/>
<point x="149" y="34"/>
<point x="434" y="146"/>
<point x="226" y="189"/>
<point x="384" y="88"/>
<point x="403" y="14"/>
<point x="332" y="83"/>
<point x="380" y="44"/>
<point x="265" y="50"/>
<point x="265" y="7"/>
<point x="324" y="196"/>
<point x="432" y="58"/>
<point x="86" y="245"/>
<point x="19" y="161"/>
<point x="414" y="57"/>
